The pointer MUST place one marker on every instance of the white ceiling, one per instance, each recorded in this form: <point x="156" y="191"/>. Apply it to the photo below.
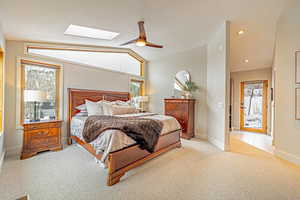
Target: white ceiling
<point x="177" y="24"/>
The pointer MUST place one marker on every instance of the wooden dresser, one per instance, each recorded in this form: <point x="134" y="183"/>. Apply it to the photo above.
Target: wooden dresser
<point x="183" y="110"/>
<point x="41" y="136"/>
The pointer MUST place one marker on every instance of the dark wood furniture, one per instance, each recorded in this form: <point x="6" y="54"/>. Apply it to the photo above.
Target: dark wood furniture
<point x="184" y="111"/>
<point x="41" y="136"/>
<point x="121" y="161"/>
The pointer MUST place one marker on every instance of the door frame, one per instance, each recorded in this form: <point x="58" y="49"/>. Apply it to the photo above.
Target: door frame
<point x="265" y="107"/>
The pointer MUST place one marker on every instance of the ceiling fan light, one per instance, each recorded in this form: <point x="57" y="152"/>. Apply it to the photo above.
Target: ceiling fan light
<point x="140" y="43"/>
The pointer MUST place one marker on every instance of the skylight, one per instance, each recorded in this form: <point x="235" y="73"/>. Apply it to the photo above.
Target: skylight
<point x="82" y="31"/>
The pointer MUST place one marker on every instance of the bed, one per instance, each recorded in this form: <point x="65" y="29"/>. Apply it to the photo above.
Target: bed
<point x="126" y="155"/>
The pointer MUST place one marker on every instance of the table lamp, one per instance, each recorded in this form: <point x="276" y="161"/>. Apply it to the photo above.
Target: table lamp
<point x="35" y="96"/>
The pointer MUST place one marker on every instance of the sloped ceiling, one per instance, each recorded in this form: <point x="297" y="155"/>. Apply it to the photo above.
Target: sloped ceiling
<point x="178" y="25"/>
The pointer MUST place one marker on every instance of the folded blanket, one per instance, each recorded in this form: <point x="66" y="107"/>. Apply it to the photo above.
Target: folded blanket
<point x="144" y="131"/>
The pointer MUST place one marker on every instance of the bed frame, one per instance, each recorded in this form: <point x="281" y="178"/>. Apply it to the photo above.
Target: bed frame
<point x="121" y="161"/>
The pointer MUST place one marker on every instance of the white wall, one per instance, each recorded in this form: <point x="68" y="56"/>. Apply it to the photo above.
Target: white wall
<point x="75" y="76"/>
<point x="253" y="75"/>
<point x="287" y="129"/>
<point x="218" y="87"/>
<point x="2" y="150"/>
<point x="161" y="75"/>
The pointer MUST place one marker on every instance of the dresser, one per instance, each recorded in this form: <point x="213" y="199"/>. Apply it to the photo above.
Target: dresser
<point x="41" y="136"/>
<point x="184" y="111"/>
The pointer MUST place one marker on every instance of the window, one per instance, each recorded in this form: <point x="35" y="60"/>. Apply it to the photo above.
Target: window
<point x="116" y="61"/>
<point x="136" y="88"/>
<point x="39" y="91"/>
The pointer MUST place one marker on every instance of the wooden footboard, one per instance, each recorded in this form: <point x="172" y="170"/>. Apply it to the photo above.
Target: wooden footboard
<point x="119" y="162"/>
<point x="124" y="160"/>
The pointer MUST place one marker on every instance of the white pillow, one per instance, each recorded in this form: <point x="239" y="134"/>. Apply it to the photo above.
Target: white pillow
<point x="94" y="108"/>
<point x="82" y="108"/>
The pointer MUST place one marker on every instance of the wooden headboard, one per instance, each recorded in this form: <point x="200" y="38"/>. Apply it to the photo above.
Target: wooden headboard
<point x="78" y="97"/>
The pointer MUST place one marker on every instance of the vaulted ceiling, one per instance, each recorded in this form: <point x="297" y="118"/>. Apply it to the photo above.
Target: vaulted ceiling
<point x="178" y="25"/>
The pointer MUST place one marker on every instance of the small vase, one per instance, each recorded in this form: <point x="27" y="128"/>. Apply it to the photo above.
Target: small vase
<point x="188" y="95"/>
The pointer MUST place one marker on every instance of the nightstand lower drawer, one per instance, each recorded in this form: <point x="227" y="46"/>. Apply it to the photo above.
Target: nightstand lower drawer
<point x="37" y="143"/>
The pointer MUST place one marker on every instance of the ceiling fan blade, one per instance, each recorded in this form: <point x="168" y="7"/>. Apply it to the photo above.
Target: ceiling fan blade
<point x="129" y="42"/>
<point x="153" y="45"/>
<point x="142" y="30"/>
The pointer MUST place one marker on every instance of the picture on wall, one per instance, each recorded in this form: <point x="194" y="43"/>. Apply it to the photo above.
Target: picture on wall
<point x="297" y="61"/>
<point x="297" y="103"/>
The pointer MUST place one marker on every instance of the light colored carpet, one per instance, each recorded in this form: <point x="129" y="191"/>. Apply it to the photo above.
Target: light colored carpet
<point x="196" y="171"/>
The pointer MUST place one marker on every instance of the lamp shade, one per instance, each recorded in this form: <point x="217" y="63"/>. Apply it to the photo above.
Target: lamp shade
<point x="143" y="99"/>
<point x="35" y="96"/>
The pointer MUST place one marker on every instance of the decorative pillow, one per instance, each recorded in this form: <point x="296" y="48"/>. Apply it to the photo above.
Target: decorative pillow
<point x="121" y="110"/>
<point x="82" y="107"/>
<point x="123" y="103"/>
<point x="94" y="108"/>
<point x="106" y="107"/>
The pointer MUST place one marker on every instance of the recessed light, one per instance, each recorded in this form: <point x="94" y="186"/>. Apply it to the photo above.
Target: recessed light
<point x="241" y="32"/>
<point x="246" y="60"/>
<point x="83" y="31"/>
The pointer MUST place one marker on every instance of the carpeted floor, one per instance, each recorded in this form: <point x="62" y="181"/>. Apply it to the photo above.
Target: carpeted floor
<point x="196" y="171"/>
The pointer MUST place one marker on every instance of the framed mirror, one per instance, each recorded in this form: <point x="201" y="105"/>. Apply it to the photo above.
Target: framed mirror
<point x="180" y="80"/>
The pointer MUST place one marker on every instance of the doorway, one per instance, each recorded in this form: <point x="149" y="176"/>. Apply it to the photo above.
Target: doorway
<point x="253" y="106"/>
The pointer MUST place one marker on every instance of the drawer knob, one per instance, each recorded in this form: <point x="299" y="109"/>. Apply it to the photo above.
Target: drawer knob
<point x="42" y="133"/>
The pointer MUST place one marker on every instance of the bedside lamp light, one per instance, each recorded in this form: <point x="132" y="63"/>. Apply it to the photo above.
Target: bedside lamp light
<point x="143" y="100"/>
<point x="35" y="96"/>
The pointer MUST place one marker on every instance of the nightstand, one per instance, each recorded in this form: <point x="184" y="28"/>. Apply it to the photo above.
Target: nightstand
<point x="41" y="136"/>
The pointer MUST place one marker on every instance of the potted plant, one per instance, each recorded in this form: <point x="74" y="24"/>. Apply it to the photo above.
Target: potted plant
<point x="190" y="87"/>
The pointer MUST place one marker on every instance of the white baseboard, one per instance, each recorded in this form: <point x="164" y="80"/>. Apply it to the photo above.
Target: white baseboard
<point x="201" y="136"/>
<point x="13" y="151"/>
<point x="287" y="156"/>
<point x="219" y="144"/>
<point x="2" y="160"/>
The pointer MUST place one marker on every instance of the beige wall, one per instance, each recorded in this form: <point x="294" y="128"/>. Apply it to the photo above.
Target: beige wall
<point x="161" y="75"/>
<point x="253" y="75"/>
<point x="287" y="129"/>
<point x="75" y="76"/>
<point x="218" y="87"/>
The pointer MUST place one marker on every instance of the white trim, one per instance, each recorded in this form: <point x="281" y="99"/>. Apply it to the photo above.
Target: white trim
<point x="238" y="69"/>
<point x="2" y="160"/>
<point x="18" y="87"/>
<point x="219" y="144"/>
<point x="84" y="48"/>
<point x="287" y="156"/>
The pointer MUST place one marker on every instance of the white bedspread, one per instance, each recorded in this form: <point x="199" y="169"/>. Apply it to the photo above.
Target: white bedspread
<point x="113" y="140"/>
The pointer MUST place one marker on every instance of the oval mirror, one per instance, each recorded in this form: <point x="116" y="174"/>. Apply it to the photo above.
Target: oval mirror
<point x="180" y="80"/>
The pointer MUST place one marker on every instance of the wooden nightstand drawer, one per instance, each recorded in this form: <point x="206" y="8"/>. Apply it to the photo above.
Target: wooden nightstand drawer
<point x="42" y="125"/>
<point x="43" y="132"/>
<point x="41" y="136"/>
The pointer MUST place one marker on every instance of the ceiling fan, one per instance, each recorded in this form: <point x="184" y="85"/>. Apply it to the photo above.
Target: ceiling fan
<point x="142" y="40"/>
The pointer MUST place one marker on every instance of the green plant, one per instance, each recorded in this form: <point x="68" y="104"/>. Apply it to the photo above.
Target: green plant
<point x="190" y="86"/>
